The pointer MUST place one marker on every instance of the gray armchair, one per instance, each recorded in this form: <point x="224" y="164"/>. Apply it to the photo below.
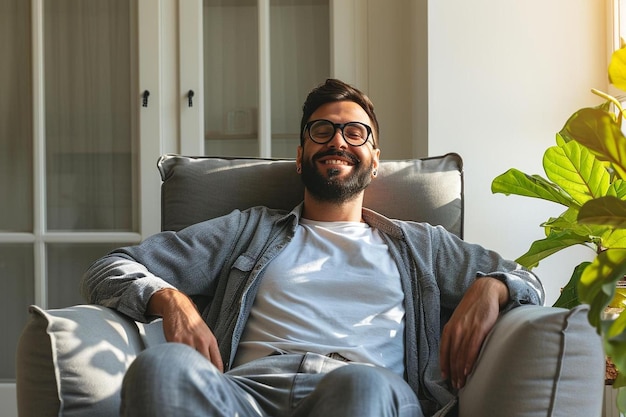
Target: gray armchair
<point x="537" y="361"/>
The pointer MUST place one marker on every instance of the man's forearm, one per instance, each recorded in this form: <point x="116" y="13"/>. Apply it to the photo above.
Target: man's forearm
<point x="495" y="287"/>
<point x="122" y="284"/>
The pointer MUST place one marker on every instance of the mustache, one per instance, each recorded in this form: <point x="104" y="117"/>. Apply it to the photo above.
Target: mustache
<point x="343" y="154"/>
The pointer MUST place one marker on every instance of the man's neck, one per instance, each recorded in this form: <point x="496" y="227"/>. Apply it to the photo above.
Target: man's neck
<point x="325" y="211"/>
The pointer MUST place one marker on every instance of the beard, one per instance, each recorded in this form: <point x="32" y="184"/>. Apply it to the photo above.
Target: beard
<point x="332" y="188"/>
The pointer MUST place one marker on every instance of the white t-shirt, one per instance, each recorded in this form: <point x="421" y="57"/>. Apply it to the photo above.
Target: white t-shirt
<point x="333" y="289"/>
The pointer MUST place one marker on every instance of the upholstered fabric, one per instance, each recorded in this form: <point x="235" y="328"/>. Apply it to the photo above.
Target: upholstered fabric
<point x="538" y="362"/>
<point x="198" y="188"/>
<point x="71" y="361"/>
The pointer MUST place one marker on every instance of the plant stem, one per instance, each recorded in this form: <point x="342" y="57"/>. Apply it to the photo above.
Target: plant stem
<point x="612" y="100"/>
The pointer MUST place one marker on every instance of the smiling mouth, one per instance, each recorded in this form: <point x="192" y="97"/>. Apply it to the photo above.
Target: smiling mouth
<point x="336" y="162"/>
<point x="337" y="158"/>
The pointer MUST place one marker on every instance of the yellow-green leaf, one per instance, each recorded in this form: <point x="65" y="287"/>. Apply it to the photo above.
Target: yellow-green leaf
<point x="617" y="327"/>
<point x="597" y="283"/>
<point x="568" y="222"/>
<point x="608" y="211"/>
<point x="613" y="238"/>
<point x="574" y="168"/>
<point x="543" y="248"/>
<point x="617" y="189"/>
<point x="597" y="130"/>
<point x="617" y="69"/>
<point x="569" y="295"/>
<point x="516" y="182"/>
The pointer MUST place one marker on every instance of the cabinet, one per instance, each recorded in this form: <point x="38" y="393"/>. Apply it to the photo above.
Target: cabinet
<point x="95" y="90"/>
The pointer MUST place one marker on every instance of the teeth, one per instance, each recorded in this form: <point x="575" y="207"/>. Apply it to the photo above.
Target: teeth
<point x="335" y="162"/>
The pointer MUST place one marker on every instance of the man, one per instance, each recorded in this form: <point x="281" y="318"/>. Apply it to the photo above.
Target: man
<point x="330" y="309"/>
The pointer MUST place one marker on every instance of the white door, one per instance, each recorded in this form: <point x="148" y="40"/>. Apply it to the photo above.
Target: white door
<point x="72" y="153"/>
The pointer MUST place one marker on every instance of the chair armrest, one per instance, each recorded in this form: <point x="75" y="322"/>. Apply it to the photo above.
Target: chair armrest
<point x="71" y="361"/>
<point x="538" y="361"/>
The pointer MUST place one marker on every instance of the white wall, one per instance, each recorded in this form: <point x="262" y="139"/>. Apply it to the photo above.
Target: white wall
<point x="503" y="77"/>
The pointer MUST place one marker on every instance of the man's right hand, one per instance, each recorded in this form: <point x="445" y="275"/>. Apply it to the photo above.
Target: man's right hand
<point x="182" y="323"/>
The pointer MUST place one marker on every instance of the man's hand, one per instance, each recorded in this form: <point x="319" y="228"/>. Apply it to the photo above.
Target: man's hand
<point x="183" y="324"/>
<point x="468" y="327"/>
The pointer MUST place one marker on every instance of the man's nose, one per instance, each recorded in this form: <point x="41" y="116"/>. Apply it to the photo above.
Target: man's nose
<point x="337" y="141"/>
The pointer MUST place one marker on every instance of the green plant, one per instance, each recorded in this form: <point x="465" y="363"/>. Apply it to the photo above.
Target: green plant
<point x="586" y="174"/>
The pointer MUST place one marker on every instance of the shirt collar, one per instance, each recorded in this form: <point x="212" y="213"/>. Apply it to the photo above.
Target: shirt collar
<point x="374" y="219"/>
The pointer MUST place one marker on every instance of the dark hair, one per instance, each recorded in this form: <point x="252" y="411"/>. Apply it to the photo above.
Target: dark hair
<point x="335" y="90"/>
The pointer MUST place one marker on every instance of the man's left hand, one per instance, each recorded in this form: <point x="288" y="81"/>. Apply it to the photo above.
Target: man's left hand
<point x="468" y="327"/>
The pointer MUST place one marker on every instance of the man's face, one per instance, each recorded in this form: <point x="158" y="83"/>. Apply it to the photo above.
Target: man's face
<point x="335" y="171"/>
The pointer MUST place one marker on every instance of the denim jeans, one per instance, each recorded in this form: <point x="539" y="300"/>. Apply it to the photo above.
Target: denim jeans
<point x="174" y="380"/>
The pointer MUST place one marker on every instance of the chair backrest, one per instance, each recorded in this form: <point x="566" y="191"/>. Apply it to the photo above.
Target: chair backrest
<point x="195" y="189"/>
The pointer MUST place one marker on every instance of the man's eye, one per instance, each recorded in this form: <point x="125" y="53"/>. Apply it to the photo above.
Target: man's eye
<point x="322" y="133"/>
<point x="355" y="133"/>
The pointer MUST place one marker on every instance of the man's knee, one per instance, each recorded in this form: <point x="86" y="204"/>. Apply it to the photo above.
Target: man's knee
<point x="363" y="375"/>
<point x="365" y="390"/>
<point x="165" y="362"/>
<point x="368" y="381"/>
<point x="167" y="380"/>
<point x="158" y="357"/>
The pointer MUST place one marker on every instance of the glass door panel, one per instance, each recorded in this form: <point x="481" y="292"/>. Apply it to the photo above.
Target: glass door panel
<point x="66" y="264"/>
<point x="16" y="158"/>
<point x="231" y="86"/>
<point x="88" y="123"/>
<point x="18" y="292"/>
<point x="16" y="177"/>
<point x="300" y="60"/>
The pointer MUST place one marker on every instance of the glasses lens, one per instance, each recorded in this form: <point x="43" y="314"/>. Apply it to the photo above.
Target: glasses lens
<point x="355" y="133"/>
<point x="322" y="131"/>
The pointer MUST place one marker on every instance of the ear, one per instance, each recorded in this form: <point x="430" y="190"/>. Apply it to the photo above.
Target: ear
<point x="299" y="159"/>
<point x="375" y="160"/>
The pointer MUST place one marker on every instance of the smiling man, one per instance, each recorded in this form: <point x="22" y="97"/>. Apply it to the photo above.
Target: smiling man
<point x="328" y="310"/>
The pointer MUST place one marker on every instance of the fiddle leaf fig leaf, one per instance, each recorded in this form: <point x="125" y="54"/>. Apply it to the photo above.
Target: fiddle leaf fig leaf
<point x="568" y="221"/>
<point x="569" y="295"/>
<point x="573" y="168"/>
<point x="617" y="69"/>
<point x="613" y="238"/>
<point x="617" y="189"/>
<point x="543" y="248"/>
<point x="617" y="327"/>
<point x="516" y="182"/>
<point x="608" y="211"/>
<point x="597" y="283"/>
<point x="599" y="131"/>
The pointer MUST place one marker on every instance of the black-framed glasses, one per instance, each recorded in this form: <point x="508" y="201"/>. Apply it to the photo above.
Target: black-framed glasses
<point x="322" y="131"/>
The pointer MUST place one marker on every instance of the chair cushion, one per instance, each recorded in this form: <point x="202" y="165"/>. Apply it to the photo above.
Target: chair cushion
<point x="71" y="361"/>
<point x="537" y="362"/>
<point x="428" y="190"/>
